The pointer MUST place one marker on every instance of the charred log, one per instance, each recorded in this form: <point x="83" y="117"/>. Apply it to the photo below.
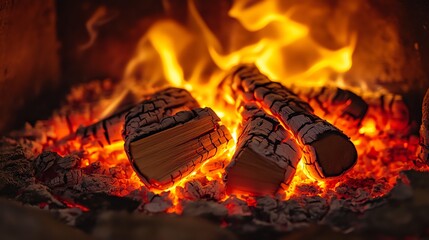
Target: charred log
<point x="108" y="131"/>
<point x="327" y="151"/>
<point x="348" y="111"/>
<point x="389" y="111"/>
<point x="165" y="150"/>
<point x="342" y="108"/>
<point x="266" y="156"/>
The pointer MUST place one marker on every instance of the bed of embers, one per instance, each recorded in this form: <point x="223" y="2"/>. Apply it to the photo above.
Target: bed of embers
<point x="77" y="174"/>
<point x="93" y="187"/>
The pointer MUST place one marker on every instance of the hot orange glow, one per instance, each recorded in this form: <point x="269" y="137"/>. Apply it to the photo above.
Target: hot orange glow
<point x="193" y="57"/>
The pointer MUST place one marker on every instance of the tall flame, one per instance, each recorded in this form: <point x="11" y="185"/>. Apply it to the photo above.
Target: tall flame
<point x="191" y="56"/>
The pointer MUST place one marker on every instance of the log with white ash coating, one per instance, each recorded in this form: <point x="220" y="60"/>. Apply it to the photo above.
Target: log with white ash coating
<point x="168" y="149"/>
<point x="328" y="152"/>
<point x="266" y="156"/>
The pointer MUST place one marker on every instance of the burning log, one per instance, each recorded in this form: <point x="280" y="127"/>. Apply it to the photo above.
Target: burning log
<point x="328" y="152"/>
<point x="165" y="150"/>
<point x="108" y="131"/>
<point x="389" y="111"/>
<point x="266" y="156"/>
<point x="423" y="151"/>
<point x="349" y="111"/>
<point x="343" y="108"/>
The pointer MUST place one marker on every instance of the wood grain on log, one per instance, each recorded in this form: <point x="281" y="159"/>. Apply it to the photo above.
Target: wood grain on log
<point x="342" y="108"/>
<point x="266" y="155"/>
<point x="327" y="151"/>
<point x="423" y="151"/>
<point x="164" y="150"/>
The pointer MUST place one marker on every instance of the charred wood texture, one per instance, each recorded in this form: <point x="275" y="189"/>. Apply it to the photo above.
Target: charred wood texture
<point x="389" y="111"/>
<point x="342" y="108"/>
<point x="423" y="151"/>
<point x="55" y="171"/>
<point x="328" y="152"/>
<point x="108" y="131"/>
<point x="88" y="103"/>
<point x="164" y="150"/>
<point x="348" y="111"/>
<point x="266" y="156"/>
<point x="16" y="171"/>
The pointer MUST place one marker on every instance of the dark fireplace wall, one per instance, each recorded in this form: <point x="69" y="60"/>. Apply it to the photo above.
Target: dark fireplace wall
<point x="119" y="27"/>
<point x="29" y="60"/>
<point x="44" y="46"/>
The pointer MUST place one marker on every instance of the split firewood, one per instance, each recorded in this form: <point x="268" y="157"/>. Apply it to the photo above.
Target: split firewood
<point x="266" y="155"/>
<point x="168" y="149"/>
<point x="328" y="152"/>
<point x="423" y="151"/>
<point x="342" y="108"/>
<point x="108" y="131"/>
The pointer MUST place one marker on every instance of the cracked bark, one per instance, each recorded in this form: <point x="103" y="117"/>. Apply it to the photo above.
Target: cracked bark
<point x="348" y="111"/>
<point x="342" y="108"/>
<point x="165" y="150"/>
<point x="327" y="151"/>
<point x="108" y="131"/>
<point x="266" y="155"/>
<point x="55" y="171"/>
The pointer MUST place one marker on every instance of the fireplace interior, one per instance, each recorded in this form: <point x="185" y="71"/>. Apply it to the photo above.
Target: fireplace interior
<point x="235" y="119"/>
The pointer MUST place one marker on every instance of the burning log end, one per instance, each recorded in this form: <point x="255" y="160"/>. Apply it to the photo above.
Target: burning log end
<point x="169" y="149"/>
<point x="266" y="157"/>
<point x="423" y="151"/>
<point x="330" y="162"/>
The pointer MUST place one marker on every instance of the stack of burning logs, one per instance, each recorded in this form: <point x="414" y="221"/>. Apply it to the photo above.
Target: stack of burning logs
<point x="168" y="135"/>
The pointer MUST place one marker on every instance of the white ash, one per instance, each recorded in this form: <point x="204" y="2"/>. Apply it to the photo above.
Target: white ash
<point x="204" y="208"/>
<point x="237" y="207"/>
<point x="67" y="215"/>
<point x="38" y="193"/>
<point x="195" y="190"/>
<point x="158" y="204"/>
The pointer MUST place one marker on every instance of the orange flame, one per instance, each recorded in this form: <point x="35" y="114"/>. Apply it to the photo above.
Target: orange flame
<point x="191" y="56"/>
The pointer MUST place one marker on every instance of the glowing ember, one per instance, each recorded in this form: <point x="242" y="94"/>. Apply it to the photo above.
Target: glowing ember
<point x="194" y="58"/>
